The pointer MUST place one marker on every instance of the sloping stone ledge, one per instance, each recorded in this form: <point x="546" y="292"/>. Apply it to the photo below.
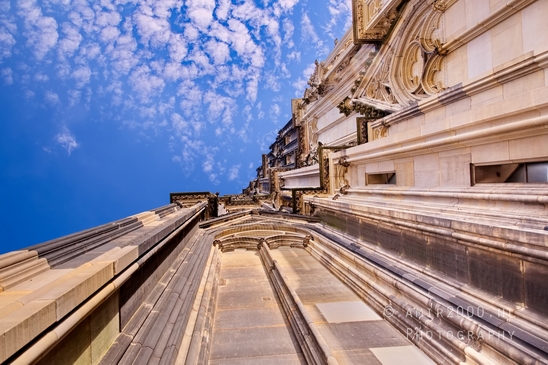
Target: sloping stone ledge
<point x="64" y="302"/>
<point x="428" y="311"/>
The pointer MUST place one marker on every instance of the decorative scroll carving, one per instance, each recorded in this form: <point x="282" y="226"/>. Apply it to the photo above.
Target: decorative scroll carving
<point x="362" y="130"/>
<point x="422" y="67"/>
<point x="380" y="132"/>
<point x="297" y="110"/>
<point x="372" y="19"/>
<point x="379" y="87"/>
<point x="341" y="168"/>
<point x="344" y="189"/>
<point x="347" y="106"/>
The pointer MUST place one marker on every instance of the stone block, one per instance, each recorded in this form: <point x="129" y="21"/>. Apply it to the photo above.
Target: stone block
<point x="253" y="342"/>
<point x="435" y="115"/>
<point x="42" y="280"/>
<point x="453" y="17"/>
<point x="73" y="349"/>
<point x="252" y="317"/>
<point x="353" y="226"/>
<point x="479" y="55"/>
<point x="455" y="170"/>
<point x="496" y="273"/>
<point x="405" y="175"/>
<point x="490" y="153"/>
<point x="426" y="162"/>
<point x="536" y="287"/>
<point x="458" y="107"/>
<point x="476" y="11"/>
<point x="401" y="355"/>
<point x="121" y="258"/>
<point x="74" y="291"/>
<point x="449" y="258"/>
<point x="361" y="335"/>
<point x="386" y="166"/>
<point x="372" y="167"/>
<point x="390" y="239"/>
<point x="286" y="359"/>
<point x="507" y="32"/>
<point x="427" y="178"/>
<point x="486" y="97"/>
<point x="11" y="258"/>
<point x="415" y="247"/>
<point x="535" y="28"/>
<point x="369" y="232"/>
<point x="528" y="148"/>
<point x="24" y="324"/>
<point x="457" y="66"/>
<point x="523" y="84"/>
<point x="104" y="327"/>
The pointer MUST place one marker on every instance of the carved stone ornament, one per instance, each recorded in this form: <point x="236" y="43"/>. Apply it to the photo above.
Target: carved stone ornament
<point x="372" y="19"/>
<point x="380" y="132"/>
<point x="344" y="189"/>
<point x="348" y="105"/>
<point x="344" y="162"/>
<point x="421" y="69"/>
<point x="412" y="67"/>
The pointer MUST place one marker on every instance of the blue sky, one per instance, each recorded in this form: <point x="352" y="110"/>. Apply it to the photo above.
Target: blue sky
<point x="108" y="106"/>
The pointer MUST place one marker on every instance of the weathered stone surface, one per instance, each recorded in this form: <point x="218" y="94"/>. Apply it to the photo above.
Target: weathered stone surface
<point x="449" y="258"/>
<point x="496" y="274"/>
<point x="536" y="288"/>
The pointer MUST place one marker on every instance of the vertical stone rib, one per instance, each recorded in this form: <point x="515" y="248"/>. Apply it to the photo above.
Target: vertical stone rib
<point x="312" y="342"/>
<point x="197" y="352"/>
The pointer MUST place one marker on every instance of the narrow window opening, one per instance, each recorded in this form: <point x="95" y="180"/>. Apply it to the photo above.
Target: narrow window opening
<point x="383" y="178"/>
<point x="526" y="172"/>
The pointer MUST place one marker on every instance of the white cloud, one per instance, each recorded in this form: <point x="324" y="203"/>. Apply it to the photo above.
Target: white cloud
<point x="289" y="29"/>
<point x="219" y="51"/>
<point x="145" y="83"/>
<point x="222" y="9"/>
<point x="74" y="96"/>
<point x="8" y="28"/>
<point x="252" y="88"/>
<point x="339" y="9"/>
<point x="275" y="110"/>
<point x="272" y="82"/>
<point x="70" y="42"/>
<point x="301" y="83"/>
<point x="294" y="56"/>
<point x="67" y="140"/>
<point x="177" y="47"/>
<point x="82" y="76"/>
<point x="179" y="124"/>
<point x="109" y="34"/>
<point x="208" y="164"/>
<point x="155" y="30"/>
<point x="201" y="12"/>
<point x="234" y="172"/>
<point x="309" y="34"/>
<point x="41" y="31"/>
<point x="7" y="74"/>
<point x="52" y="98"/>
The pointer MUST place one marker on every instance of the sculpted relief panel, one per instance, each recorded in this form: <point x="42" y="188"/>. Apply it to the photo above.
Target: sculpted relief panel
<point x="410" y="67"/>
<point x="420" y="66"/>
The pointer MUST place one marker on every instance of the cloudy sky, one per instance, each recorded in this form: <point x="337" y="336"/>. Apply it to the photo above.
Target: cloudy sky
<point x="108" y="106"/>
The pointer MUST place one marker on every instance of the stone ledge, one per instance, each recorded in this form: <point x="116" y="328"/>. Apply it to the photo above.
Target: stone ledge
<point x="406" y="293"/>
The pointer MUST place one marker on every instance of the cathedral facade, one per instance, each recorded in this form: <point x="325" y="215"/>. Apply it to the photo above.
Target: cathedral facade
<point x="400" y="216"/>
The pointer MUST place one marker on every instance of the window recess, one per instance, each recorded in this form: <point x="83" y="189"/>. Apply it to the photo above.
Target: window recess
<point x="525" y="172"/>
<point x="382" y="178"/>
